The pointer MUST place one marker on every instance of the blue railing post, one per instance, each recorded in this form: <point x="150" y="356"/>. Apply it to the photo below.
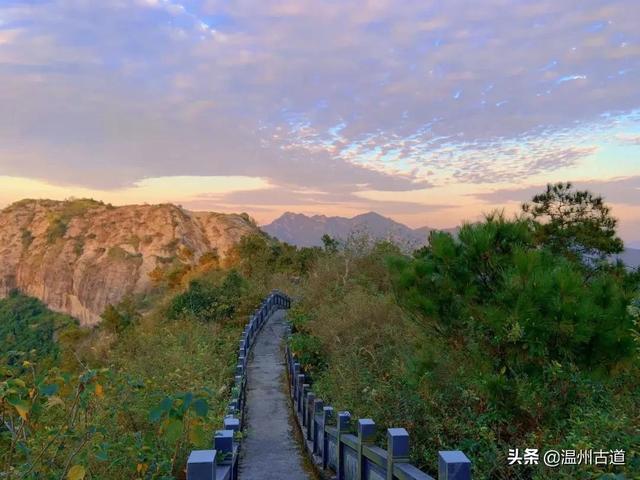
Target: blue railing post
<point x="299" y="392"/>
<point x="344" y="421"/>
<point x="327" y="415"/>
<point x="366" y="436"/>
<point x="311" y="397"/>
<point x="223" y="444"/>
<point x="397" y="448"/>
<point x="232" y="423"/>
<point x="318" y="406"/>
<point x="453" y="465"/>
<point x="296" y="372"/>
<point x="303" y="401"/>
<point x="201" y="465"/>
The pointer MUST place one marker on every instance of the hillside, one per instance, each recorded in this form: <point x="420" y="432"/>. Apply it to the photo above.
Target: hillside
<point x="79" y="256"/>
<point x="306" y="231"/>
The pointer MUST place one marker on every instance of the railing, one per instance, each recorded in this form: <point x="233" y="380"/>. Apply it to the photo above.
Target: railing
<point x="221" y="463"/>
<point x="356" y="457"/>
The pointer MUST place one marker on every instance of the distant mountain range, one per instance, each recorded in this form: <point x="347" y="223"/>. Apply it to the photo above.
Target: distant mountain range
<point x="307" y="231"/>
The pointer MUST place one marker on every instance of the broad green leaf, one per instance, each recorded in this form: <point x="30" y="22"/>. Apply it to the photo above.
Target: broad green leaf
<point x="155" y="414"/>
<point x="173" y="430"/>
<point x="48" y="389"/>
<point x="166" y="404"/>
<point x="201" y="407"/>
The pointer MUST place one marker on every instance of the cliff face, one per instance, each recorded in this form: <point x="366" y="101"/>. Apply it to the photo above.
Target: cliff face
<point x="79" y="256"/>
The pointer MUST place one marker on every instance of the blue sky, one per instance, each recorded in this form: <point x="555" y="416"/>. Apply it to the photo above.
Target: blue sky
<point x="430" y="112"/>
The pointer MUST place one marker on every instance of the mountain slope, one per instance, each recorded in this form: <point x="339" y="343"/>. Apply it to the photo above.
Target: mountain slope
<point x="302" y="230"/>
<point x="79" y="256"/>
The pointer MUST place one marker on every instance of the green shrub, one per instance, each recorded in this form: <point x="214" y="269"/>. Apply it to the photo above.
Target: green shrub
<point x="209" y="302"/>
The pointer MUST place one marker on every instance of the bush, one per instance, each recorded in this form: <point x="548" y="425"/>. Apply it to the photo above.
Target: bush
<point x="209" y="302"/>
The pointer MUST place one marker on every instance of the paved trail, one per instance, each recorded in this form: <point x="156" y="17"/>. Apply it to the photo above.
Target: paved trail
<point x="270" y="451"/>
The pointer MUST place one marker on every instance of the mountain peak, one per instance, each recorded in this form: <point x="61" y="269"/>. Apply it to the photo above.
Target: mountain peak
<point x="302" y="230"/>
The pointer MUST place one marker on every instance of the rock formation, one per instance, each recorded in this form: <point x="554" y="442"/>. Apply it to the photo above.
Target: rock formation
<point x="78" y="256"/>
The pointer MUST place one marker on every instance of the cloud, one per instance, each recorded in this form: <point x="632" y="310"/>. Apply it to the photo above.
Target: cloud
<point x="625" y="191"/>
<point x="103" y="94"/>
<point x="630" y="139"/>
<point x="279" y="197"/>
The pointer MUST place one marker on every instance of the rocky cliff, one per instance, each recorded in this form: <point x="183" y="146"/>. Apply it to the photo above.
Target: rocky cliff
<point x="78" y="256"/>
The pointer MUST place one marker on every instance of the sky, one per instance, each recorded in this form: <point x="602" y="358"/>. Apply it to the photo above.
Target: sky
<point x="426" y="111"/>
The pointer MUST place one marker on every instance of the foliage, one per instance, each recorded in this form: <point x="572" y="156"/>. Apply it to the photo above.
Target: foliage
<point x="209" y="302"/>
<point x="261" y="257"/>
<point x="131" y="398"/>
<point x="28" y="329"/>
<point x="573" y="222"/>
<point x="66" y="211"/>
<point x="482" y="343"/>
<point x="330" y="244"/>
<point x="118" y="317"/>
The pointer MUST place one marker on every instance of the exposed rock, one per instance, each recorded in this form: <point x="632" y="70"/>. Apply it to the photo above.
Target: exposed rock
<point x="78" y="256"/>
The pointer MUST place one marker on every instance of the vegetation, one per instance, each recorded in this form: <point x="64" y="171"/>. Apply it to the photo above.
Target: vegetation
<point x="506" y="336"/>
<point x="573" y="222"/>
<point x="28" y="330"/>
<point x="66" y="211"/>
<point x="492" y="340"/>
<point x="132" y="397"/>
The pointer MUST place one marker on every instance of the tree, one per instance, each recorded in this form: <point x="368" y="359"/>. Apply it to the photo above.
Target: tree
<point x="116" y="318"/>
<point x="573" y="222"/>
<point x="329" y="243"/>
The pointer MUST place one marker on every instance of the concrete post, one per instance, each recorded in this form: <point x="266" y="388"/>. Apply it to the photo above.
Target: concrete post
<point x="296" y="372"/>
<point x="303" y="411"/>
<point x="318" y="405"/>
<point x="201" y="465"/>
<point x="311" y="397"/>
<point x="343" y="423"/>
<point x="299" y="391"/>
<point x="453" y="465"/>
<point x="366" y="436"/>
<point x="232" y="423"/>
<point x="327" y="415"/>
<point x="397" y="448"/>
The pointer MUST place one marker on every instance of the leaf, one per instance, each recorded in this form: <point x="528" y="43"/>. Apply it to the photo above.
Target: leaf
<point x="166" y="404"/>
<point x="99" y="391"/>
<point x="173" y="430"/>
<point x="21" y="406"/>
<point x="102" y="456"/>
<point x="48" y="389"/>
<point x="77" y="472"/>
<point x="198" y="435"/>
<point x="201" y="407"/>
<point x="155" y="414"/>
<point x="186" y="401"/>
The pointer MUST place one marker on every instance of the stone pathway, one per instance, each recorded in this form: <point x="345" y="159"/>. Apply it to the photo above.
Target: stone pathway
<point x="270" y="450"/>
